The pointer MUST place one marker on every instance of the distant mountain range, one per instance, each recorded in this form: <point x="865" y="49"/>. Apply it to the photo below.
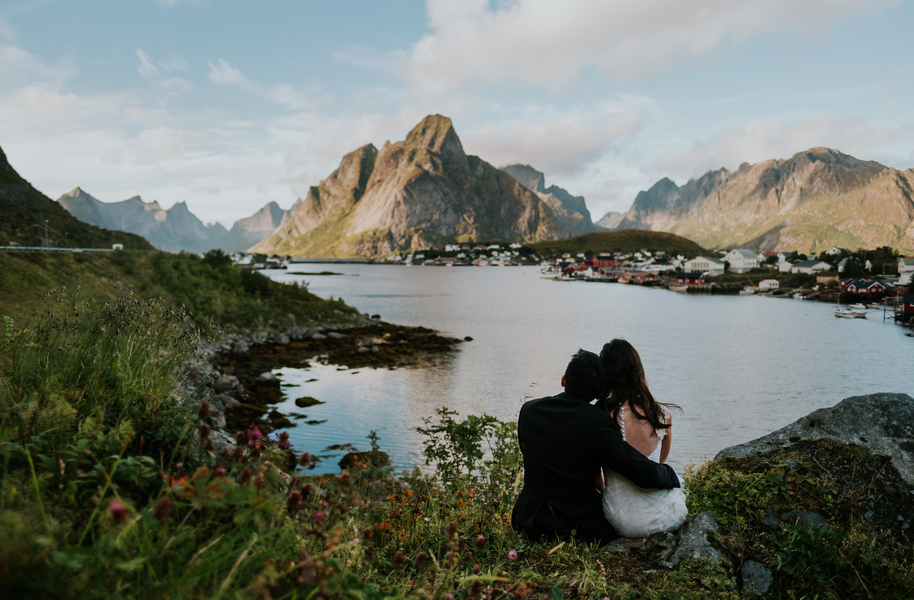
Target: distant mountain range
<point x="29" y="218"/>
<point x="416" y="194"/>
<point x="810" y="202"/>
<point x="570" y="211"/>
<point x="174" y="229"/>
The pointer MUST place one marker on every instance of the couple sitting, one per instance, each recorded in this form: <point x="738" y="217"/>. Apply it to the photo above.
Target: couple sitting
<point x="598" y="469"/>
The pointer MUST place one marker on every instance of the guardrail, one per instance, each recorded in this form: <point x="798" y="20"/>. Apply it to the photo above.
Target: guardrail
<point x="44" y="249"/>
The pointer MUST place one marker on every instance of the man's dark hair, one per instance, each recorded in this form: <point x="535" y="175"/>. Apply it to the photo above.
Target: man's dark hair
<point x="585" y="376"/>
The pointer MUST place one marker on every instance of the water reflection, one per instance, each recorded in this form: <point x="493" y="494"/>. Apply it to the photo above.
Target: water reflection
<point x="739" y="366"/>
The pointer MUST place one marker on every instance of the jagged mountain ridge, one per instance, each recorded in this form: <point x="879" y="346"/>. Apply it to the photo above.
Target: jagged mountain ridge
<point x="814" y="200"/>
<point x="414" y="194"/>
<point x="32" y="219"/>
<point x="569" y="210"/>
<point x="175" y="229"/>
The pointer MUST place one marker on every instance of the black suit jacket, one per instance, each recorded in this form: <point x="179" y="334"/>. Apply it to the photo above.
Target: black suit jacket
<point x="565" y="441"/>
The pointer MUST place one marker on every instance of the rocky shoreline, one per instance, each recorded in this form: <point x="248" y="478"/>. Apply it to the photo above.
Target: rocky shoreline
<point x="235" y="376"/>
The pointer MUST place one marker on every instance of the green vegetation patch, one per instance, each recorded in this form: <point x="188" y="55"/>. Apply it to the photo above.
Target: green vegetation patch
<point x="625" y="240"/>
<point x="210" y="288"/>
<point x="860" y="547"/>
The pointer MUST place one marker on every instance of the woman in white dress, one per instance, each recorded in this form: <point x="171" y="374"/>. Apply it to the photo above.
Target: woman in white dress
<point x="647" y="426"/>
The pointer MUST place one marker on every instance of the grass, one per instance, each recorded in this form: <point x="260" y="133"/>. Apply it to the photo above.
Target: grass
<point x="209" y="288"/>
<point x="625" y="240"/>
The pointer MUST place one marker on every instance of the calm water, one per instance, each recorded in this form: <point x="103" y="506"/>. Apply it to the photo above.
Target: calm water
<point x="740" y="366"/>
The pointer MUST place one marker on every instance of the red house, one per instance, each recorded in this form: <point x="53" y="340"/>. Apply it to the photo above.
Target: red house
<point x="907" y="305"/>
<point x="862" y="286"/>
<point x="693" y="278"/>
<point x="604" y="260"/>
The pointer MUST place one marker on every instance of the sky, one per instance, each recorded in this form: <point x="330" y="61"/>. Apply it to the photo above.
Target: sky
<point x="229" y="105"/>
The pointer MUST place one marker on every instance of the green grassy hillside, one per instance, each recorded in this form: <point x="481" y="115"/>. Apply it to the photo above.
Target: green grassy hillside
<point x="626" y="240"/>
<point x="209" y="287"/>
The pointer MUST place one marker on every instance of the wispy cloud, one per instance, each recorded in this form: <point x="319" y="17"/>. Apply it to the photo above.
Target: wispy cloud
<point x="222" y="73"/>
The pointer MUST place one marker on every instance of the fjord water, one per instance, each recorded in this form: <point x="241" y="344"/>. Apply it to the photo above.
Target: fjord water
<point x="739" y="366"/>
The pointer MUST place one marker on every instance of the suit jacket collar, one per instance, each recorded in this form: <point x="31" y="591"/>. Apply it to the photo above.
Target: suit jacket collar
<point x="571" y="397"/>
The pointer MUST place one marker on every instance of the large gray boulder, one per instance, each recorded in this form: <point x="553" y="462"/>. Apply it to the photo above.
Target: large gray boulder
<point x="881" y="423"/>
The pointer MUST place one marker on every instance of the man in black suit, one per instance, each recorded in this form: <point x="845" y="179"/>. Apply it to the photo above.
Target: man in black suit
<point x="565" y="441"/>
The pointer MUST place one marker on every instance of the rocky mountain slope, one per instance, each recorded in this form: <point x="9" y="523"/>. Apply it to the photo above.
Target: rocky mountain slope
<point x="29" y="218"/>
<point x="570" y="211"/>
<point x="414" y="194"/>
<point x="174" y="229"/>
<point x="812" y="201"/>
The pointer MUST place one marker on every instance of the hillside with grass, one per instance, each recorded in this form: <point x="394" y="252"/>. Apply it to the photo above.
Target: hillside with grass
<point x="30" y="219"/>
<point x="210" y="288"/>
<point x="626" y="240"/>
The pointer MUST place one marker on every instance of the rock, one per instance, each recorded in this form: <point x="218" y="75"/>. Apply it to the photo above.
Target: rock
<point x="336" y="335"/>
<point x="363" y="350"/>
<point x="306" y="401"/>
<point x="241" y="348"/>
<point x="282" y="340"/>
<point x="268" y="377"/>
<point x="318" y="337"/>
<point x="882" y="423"/>
<point x="756" y="578"/>
<point x="375" y="316"/>
<point x="363" y="460"/>
<point x="216" y="419"/>
<point x="375" y="349"/>
<point x="623" y="545"/>
<point x="467" y="339"/>
<point x="806" y="519"/>
<point x="227" y="383"/>
<point x="693" y="542"/>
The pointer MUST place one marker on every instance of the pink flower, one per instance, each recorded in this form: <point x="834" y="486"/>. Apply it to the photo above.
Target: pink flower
<point x="318" y="517"/>
<point x="118" y="512"/>
<point x="512" y="555"/>
<point x="480" y="541"/>
<point x="220" y="470"/>
<point x="284" y="441"/>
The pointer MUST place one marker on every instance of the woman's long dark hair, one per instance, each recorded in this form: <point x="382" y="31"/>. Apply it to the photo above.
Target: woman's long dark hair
<point x="627" y="383"/>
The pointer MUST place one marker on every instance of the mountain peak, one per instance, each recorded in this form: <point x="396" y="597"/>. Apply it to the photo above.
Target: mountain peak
<point x="436" y="133"/>
<point x="529" y="177"/>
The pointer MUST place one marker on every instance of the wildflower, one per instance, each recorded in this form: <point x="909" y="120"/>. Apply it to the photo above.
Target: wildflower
<point x="204" y="431"/>
<point x="273" y="436"/>
<point x="254" y="437"/>
<point x="480" y="541"/>
<point x="344" y="479"/>
<point x="399" y="560"/>
<point x="246" y="475"/>
<point x="452" y="529"/>
<point x="512" y="555"/>
<point x="162" y="509"/>
<point x="304" y="460"/>
<point x="477" y="569"/>
<point x="319" y="517"/>
<point x="118" y="511"/>
<point x="220" y="470"/>
<point x="307" y="568"/>
<point x="225" y="454"/>
<point x="242" y="437"/>
<point x="306" y="490"/>
<point x="369" y="552"/>
<point x="239" y="454"/>
<point x="367" y="534"/>
<point x="420" y="560"/>
<point x="180" y="448"/>
<point x="203" y="410"/>
<point x="294" y="501"/>
<point x="283" y="441"/>
<point x="476" y="588"/>
<point x="259" y="480"/>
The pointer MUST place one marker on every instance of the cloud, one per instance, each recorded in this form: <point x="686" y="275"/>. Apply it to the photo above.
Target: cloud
<point x="146" y="67"/>
<point x="222" y="73"/>
<point x="157" y="144"/>
<point x="549" y="44"/>
<point x="44" y="103"/>
<point x="19" y="68"/>
<point x="759" y="140"/>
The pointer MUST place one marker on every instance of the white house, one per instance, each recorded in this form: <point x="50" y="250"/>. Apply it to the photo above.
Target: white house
<point x="906" y="270"/>
<point x="704" y="264"/>
<point x="741" y="260"/>
<point x="768" y="284"/>
<point x="833" y="251"/>
<point x="810" y="266"/>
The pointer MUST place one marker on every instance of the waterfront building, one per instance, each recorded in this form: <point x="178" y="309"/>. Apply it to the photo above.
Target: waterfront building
<point x="704" y="264"/>
<point x="810" y="266"/>
<point x="741" y="260"/>
<point x="768" y="284"/>
<point x="692" y="278"/>
<point x="905" y="269"/>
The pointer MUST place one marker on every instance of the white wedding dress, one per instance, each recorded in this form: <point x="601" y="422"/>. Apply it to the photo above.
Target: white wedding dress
<point x="637" y="512"/>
